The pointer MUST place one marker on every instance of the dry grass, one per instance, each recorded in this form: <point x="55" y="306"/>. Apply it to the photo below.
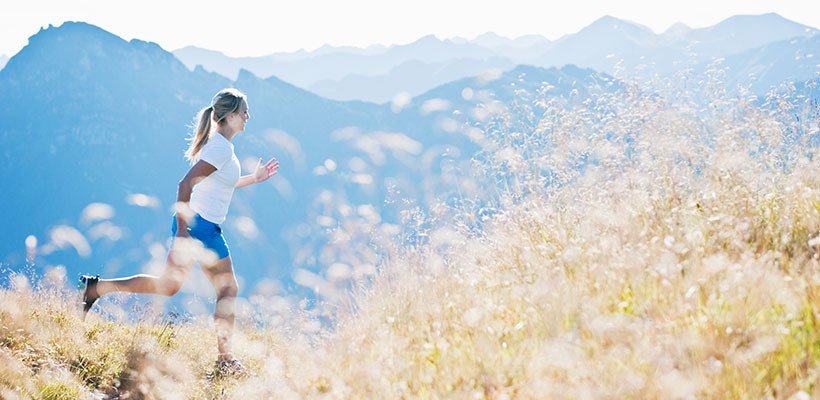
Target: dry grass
<point x="644" y="245"/>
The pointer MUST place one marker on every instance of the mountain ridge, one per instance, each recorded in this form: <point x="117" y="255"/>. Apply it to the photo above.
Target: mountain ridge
<point x="608" y="44"/>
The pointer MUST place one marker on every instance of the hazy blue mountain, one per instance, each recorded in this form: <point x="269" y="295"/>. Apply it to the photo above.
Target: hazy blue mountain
<point x="601" y="45"/>
<point x="411" y="77"/>
<point x="790" y="60"/>
<point x="3" y="60"/>
<point x="612" y="45"/>
<point x="743" y="32"/>
<point x="329" y="49"/>
<point x="335" y="63"/>
<point x="218" y="62"/>
<point x="336" y="66"/>
<point x="318" y="68"/>
<point x="105" y="119"/>
<point x="490" y="40"/>
<point x="521" y="50"/>
<point x="505" y="87"/>
<point x="676" y="32"/>
<point x="609" y="45"/>
<point x="530" y="40"/>
<point x="749" y="44"/>
<point x="215" y="61"/>
<point x="377" y="73"/>
<point x="524" y="49"/>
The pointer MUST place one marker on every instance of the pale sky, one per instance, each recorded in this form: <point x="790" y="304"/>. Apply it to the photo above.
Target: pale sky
<point x="252" y="28"/>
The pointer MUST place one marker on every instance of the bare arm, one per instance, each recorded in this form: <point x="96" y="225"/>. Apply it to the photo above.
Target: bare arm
<point x="245" y="180"/>
<point x="196" y="174"/>
<point x="261" y="174"/>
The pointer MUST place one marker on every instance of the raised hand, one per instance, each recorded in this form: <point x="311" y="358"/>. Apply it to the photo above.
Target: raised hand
<point x="264" y="172"/>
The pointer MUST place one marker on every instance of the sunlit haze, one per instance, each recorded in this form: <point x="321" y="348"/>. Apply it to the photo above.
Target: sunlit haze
<point x="255" y="28"/>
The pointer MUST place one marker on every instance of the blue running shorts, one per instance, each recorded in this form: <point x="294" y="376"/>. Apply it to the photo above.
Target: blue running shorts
<point x="207" y="232"/>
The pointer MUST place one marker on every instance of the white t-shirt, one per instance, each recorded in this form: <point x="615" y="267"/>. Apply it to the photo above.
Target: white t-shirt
<point x="212" y="196"/>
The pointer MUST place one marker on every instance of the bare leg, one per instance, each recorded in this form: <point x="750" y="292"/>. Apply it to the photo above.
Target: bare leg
<point x="166" y="284"/>
<point x="223" y="279"/>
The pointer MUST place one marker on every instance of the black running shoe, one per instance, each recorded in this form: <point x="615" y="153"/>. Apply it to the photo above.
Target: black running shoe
<point x="227" y="367"/>
<point x="231" y="366"/>
<point x="90" y="294"/>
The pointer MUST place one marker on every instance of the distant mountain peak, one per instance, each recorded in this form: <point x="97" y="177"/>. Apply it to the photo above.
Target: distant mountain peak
<point x="490" y="35"/>
<point x="606" y="19"/>
<point x="490" y="40"/>
<point x="71" y="34"/>
<point x="80" y="32"/>
<point x="244" y="74"/>
<point x="74" y="27"/>
<point x="427" y="39"/>
<point x="771" y="16"/>
<point x="753" y="20"/>
<point x="194" y="49"/>
<point x="530" y="41"/>
<point x="743" y="32"/>
<point x="325" y="48"/>
<point x="86" y="53"/>
<point x="608" y="22"/>
<point x="611" y="20"/>
<point x="677" y="29"/>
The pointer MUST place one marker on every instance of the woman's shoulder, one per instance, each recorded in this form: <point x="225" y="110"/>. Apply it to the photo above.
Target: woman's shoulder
<point x="216" y="141"/>
<point x="216" y="152"/>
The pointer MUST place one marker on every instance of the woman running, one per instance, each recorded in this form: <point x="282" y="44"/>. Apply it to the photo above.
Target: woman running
<point x="203" y="197"/>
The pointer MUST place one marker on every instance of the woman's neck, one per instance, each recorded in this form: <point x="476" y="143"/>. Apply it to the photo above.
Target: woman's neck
<point x="227" y="133"/>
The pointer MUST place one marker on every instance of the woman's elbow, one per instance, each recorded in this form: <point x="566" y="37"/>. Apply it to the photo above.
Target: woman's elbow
<point x="184" y="185"/>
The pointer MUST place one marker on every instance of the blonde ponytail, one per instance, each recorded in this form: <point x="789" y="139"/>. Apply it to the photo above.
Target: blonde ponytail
<point x="200" y="134"/>
<point x="225" y="102"/>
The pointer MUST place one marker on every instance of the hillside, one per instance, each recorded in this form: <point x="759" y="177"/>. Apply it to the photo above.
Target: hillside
<point x="647" y="243"/>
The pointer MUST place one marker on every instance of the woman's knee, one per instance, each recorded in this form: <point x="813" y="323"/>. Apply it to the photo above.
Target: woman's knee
<point x="170" y="287"/>
<point x="229" y="288"/>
